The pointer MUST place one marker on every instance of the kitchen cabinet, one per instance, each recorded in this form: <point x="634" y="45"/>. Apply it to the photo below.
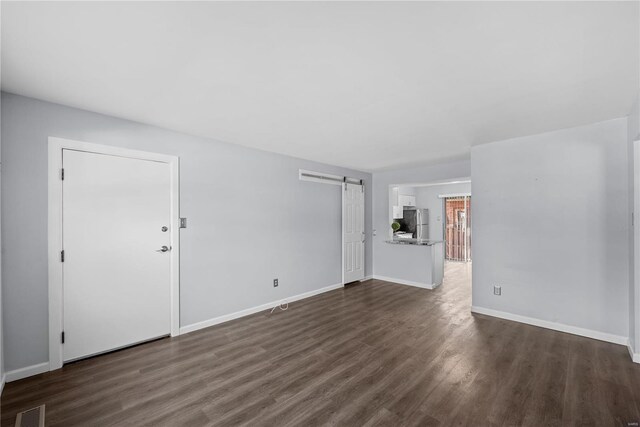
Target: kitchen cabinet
<point x="405" y="200"/>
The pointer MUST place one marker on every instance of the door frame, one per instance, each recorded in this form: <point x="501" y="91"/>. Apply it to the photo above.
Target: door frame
<point x="56" y="320"/>
<point x="444" y="198"/>
<point x="635" y="213"/>
<point x="343" y="189"/>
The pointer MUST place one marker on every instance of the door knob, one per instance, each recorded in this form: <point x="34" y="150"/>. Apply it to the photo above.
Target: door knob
<point x="163" y="249"/>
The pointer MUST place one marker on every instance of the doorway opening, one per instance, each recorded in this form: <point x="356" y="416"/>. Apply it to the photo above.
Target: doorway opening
<point x="353" y="235"/>
<point x="457" y="228"/>
<point x="433" y="215"/>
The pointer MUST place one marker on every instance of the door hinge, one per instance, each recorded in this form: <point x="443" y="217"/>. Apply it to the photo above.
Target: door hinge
<point x="62" y="337"/>
<point x="62" y="174"/>
<point x="61" y="256"/>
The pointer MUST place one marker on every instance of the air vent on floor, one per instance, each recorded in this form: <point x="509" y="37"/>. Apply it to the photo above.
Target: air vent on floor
<point x="31" y="418"/>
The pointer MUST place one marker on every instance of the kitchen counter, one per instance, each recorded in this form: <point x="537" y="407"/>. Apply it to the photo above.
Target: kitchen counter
<point x="413" y="242"/>
<point x="413" y="262"/>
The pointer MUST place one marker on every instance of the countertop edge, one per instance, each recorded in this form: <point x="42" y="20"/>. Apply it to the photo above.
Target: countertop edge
<point x="412" y="242"/>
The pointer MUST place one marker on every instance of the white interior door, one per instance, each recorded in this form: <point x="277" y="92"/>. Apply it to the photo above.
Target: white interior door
<point x="116" y="279"/>
<point x="353" y="232"/>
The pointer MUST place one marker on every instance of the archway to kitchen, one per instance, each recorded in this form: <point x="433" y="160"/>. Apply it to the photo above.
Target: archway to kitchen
<point x="431" y="224"/>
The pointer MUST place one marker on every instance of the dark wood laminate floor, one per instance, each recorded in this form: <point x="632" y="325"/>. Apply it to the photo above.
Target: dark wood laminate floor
<point x="375" y="353"/>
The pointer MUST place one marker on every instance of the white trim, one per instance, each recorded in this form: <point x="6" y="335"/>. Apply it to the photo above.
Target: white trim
<point x="25" y="372"/>
<point x="44" y="367"/>
<point x="634" y="356"/>
<point x="445" y="196"/>
<point x="3" y="379"/>
<point x="56" y="145"/>
<point x="343" y="188"/>
<point x="597" y="335"/>
<point x="636" y="242"/>
<point x="406" y="282"/>
<point x="365" y="278"/>
<point x="232" y="316"/>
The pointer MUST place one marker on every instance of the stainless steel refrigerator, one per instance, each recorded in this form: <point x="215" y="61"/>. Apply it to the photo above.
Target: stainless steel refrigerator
<point x="415" y="221"/>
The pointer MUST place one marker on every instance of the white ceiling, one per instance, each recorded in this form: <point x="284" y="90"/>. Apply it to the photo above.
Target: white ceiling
<point x="364" y="85"/>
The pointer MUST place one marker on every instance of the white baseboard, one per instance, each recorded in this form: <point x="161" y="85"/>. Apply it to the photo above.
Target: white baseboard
<point x="365" y="278"/>
<point x="28" y="371"/>
<point x="602" y="336"/>
<point x="2" y="381"/>
<point x="252" y="310"/>
<point x="634" y="356"/>
<point x="407" y="282"/>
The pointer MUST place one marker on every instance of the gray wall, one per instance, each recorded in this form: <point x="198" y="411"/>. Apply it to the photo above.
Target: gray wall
<point x="550" y="226"/>
<point x="633" y="134"/>
<point x="250" y="220"/>
<point x="427" y="198"/>
<point x="385" y="256"/>
<point x="1" y="322"/>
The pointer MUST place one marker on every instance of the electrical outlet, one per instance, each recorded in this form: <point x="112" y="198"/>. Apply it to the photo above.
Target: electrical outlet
<point x="275" y="283"/>
<point x="497" y="290"/>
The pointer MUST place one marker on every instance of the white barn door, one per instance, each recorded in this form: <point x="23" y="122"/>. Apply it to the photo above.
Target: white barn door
<point x="353" y="232"/>
<point x="117" y="261"/>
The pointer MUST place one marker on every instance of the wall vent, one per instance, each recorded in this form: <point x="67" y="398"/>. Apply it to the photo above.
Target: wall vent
<point x="33" y="417"/>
